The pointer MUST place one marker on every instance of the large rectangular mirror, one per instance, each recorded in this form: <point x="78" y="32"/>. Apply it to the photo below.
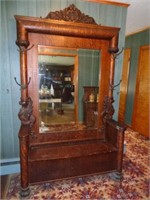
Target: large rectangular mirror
<point x="63" y="76"/>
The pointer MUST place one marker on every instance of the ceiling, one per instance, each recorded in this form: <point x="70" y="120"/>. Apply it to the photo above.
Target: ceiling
<point x="138" y="15"/>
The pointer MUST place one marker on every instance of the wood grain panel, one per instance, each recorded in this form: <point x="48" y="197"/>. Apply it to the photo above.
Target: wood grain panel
<point x="140" y="120"/>
<point x="124" y="85"/>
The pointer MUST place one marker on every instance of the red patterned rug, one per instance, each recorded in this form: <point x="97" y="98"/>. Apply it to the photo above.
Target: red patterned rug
<point x="134" y="185"/>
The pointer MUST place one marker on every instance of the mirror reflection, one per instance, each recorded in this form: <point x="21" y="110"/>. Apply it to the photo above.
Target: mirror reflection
<point x="56" y="90"/>
<point x="66" y="84"/>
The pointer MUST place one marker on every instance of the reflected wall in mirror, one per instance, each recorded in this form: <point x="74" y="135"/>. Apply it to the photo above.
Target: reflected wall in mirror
<point x="56" y="90"/>
<point x="88" y="70"/>
<point x="63" y="76"/>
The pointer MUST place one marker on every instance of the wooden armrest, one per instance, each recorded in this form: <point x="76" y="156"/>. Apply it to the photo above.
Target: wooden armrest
<point x="114" y="132"/>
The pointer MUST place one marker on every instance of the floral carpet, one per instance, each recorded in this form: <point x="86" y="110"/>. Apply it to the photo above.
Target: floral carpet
<point x="134" y="184"/>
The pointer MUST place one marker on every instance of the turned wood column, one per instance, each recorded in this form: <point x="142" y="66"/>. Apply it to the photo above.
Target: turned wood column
<point x="113" y="49"/>
<point x="120" y="144"/>
<point x="25" y="114"/>
<point x="23" y="44"/>
<point x="24" y="152"/>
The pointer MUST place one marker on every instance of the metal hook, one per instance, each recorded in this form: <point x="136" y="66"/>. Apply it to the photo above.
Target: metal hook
<point x="115" y="55"/>
<point x="22" y="49"/>
<point x="113" y="86"/>
<point x="23" y="86"/>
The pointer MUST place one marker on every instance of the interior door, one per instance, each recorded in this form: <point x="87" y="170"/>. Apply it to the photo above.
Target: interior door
<point x="140" y="118"/>
<point x="124" y="84"/>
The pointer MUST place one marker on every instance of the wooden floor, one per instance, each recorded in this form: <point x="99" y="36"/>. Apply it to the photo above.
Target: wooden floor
<point x="4" y="179"/>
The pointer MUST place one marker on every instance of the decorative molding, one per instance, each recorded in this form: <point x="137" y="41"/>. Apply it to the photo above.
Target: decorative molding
<point x="25" y="114"/>
<point x="71" y="14"/>
<point x="110" y="2"/>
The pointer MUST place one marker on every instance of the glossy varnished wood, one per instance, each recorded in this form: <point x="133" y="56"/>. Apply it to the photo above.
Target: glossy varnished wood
<point x="64" y="154"/>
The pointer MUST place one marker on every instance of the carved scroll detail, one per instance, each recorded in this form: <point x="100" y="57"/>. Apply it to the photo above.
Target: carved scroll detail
<point x="25" y="114"/>
<point x="108" y="109"/>
<point x="71" y="14"/>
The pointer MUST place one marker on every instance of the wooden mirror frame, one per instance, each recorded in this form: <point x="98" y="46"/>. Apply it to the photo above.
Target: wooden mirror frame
<point x="105" y="38"/>
<point x="76" y="30"/>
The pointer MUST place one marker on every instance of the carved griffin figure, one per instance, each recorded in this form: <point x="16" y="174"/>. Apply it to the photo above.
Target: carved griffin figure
<point x="25" y="114"/>
<point x="108" y="109"/>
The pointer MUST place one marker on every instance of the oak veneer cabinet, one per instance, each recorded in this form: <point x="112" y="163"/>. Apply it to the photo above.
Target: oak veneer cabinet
<point x="50" y="151"/>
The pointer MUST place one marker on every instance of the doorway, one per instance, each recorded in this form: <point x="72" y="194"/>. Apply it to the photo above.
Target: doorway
<point x="140" y="117"/>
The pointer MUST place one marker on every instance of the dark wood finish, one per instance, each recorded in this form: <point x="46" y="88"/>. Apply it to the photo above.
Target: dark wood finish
<point x="90" y="113"/>
<point x="4" y="183"/>
<point x="90" y="109"/>
<point x="64" y="154"/>
<point x="72" y="14"/>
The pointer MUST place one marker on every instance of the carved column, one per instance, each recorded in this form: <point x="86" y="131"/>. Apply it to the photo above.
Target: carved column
<point x="24" y="143"/>
<point x="120" y="145"/>
<point x="25" y="114"/>
<point x="108" y="109"/>
<point x="27" y="120"/>
<point x="113" y="49"/>
<point x="23" y="44"/>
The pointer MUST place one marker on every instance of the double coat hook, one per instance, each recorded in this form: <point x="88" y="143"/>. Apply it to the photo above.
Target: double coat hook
<point x="22" y="86"/>
<point x="112" y="87"/>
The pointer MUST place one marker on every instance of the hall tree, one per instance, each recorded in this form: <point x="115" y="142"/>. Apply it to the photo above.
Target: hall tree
<point x="104" y="14"/>
<point x="85" y="146"/>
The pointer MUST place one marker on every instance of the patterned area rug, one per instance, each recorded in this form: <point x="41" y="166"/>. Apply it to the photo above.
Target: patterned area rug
<point x="134" y="184"/>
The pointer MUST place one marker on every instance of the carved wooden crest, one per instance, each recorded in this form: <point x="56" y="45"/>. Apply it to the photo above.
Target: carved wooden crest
<point x="71" y="14"/>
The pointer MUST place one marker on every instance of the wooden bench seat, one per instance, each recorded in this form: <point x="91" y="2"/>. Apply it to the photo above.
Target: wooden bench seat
<point x="70" y="160"/>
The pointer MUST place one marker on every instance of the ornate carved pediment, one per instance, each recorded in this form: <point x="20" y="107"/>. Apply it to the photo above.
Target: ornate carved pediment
<point x="71" y="14"/>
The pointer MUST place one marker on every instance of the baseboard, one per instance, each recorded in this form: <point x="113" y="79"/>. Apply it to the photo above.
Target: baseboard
<point x="10" y="166"/>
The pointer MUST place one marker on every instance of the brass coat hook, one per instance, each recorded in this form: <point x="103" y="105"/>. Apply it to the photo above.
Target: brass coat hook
<point x="114" y="86"/>
<point x="22" y="86"/>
